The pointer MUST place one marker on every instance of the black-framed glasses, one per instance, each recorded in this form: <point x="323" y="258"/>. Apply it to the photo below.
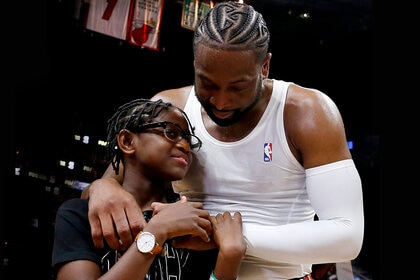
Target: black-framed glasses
<point x="173" y="133"/>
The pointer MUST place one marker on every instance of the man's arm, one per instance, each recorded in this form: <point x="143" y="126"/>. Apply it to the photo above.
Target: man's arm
<point x="335" y="191"/>
<point x="317" y="138"/>
<point x="113" y="212"/>
<point x="109" y="173"/>
<point x="177" y="97"/>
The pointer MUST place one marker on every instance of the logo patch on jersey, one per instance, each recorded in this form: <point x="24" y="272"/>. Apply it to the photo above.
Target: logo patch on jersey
<point x="268" y="152"/>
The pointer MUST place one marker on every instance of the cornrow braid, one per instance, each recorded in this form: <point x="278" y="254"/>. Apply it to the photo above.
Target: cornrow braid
<point x="233" y="26"/>
<point x="130" y="116"/>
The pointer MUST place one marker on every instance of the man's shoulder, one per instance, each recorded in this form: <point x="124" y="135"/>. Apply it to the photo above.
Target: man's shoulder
<point x="297" y="94"/>
<point x="177" y="96"/>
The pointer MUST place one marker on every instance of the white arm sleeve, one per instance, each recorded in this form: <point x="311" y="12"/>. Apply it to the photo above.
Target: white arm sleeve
<point x="335" y="192"/>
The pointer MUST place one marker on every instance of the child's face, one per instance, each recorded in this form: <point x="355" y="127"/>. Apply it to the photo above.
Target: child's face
<point x="160" y="157"/>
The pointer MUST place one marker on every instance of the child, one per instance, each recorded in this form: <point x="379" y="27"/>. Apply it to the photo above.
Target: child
<point x="155" y="142"/>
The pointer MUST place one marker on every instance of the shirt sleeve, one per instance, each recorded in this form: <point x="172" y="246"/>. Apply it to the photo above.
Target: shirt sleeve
<point x="335" y="192"/>
<point x="72" y="235"/>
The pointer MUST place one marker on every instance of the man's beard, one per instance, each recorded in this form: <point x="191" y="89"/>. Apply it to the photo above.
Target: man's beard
<point x="237" y="114"/>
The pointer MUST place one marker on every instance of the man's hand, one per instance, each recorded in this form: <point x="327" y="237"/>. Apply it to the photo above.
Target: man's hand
<point x="113" y="214"/>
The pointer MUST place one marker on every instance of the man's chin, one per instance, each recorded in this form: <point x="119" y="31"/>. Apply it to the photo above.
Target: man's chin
<point x="224" y="122"/>
<point x="234" y="118"/>
<point x="222" y="115"/>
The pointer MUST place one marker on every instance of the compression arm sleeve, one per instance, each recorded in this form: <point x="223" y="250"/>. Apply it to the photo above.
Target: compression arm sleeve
<point x="335" y="192"/>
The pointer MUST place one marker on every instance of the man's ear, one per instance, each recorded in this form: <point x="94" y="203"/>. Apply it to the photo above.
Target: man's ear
<point x="265" y="71"/>
<point x="126" y="141"/>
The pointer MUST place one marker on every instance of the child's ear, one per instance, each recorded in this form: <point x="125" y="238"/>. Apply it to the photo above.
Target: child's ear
<point x="126" y="141"/>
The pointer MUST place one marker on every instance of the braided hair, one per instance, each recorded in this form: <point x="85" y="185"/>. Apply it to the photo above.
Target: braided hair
<point x="233" y="26"/>
<point x="130" y="116"/>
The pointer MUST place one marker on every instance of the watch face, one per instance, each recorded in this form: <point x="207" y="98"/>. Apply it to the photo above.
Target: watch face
<point x="146" y="242"/>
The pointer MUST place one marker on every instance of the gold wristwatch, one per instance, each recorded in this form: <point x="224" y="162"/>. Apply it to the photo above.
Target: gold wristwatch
<point x="146" y="243"/>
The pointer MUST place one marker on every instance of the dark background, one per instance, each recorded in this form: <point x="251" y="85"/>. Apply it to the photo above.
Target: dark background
<point x="62" y="79"/>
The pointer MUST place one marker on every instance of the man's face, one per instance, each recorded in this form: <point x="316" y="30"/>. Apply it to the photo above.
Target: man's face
<point x="227" y="83"/>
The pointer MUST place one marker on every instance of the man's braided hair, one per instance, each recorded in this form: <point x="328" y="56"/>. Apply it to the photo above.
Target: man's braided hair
<point x="233" y="26"/>
<point x="130" y="116"/>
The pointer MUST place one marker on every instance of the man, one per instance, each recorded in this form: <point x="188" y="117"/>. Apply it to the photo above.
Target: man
<point x="272" y="150"/>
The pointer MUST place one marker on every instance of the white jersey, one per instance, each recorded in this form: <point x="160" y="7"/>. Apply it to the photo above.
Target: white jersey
<point x="257" y="176"/>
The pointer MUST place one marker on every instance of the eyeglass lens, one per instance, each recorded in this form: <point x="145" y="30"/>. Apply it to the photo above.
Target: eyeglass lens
<point x="175" y="134"/>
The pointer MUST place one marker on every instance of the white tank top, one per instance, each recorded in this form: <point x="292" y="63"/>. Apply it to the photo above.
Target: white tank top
<point x="257" y="175"/>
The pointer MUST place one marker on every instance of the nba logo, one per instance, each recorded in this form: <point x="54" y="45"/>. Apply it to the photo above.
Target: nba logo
<point x="268" y="152"/>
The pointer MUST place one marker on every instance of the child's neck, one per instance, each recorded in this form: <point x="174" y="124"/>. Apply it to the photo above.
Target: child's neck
<point x="145" y="194"/>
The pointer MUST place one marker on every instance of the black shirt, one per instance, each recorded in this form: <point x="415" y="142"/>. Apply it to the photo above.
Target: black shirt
<point x="73" y="241"/>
